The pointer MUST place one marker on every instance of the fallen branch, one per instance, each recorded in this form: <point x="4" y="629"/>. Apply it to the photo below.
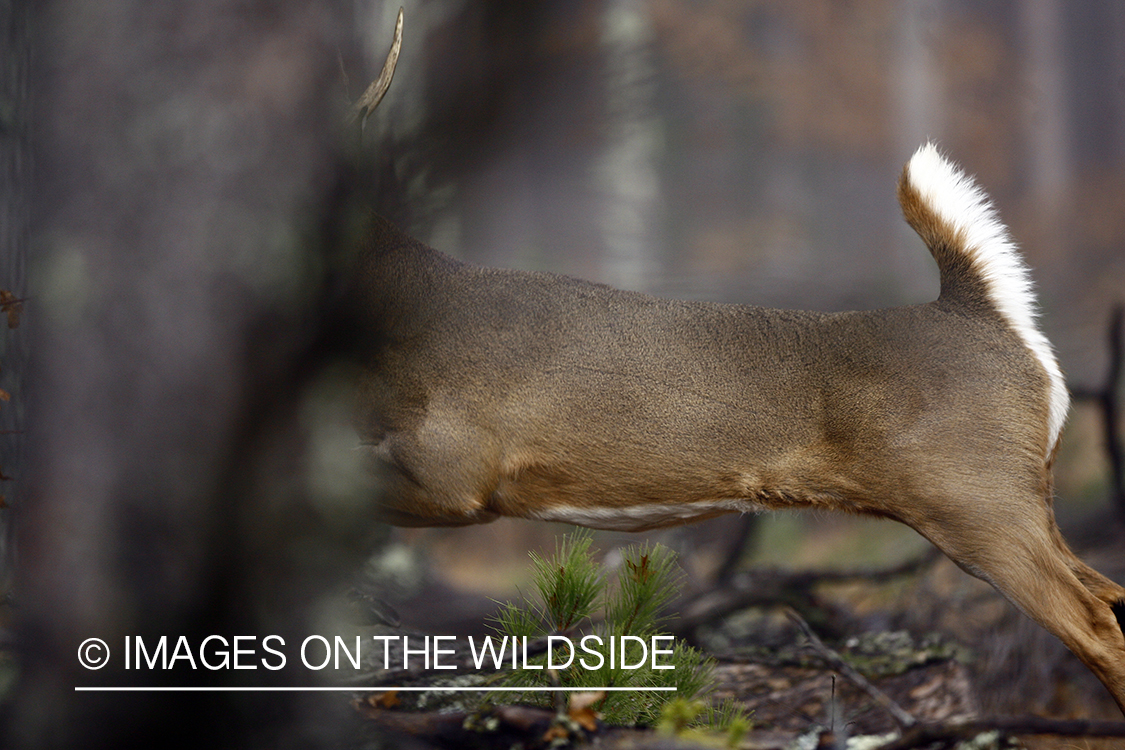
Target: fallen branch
<point x="923" y="735"/>
<point x="772" y="587"/>
<point x="571" y="723"/>
<point x="423" y="675"/>
<point x="502" y="726"/>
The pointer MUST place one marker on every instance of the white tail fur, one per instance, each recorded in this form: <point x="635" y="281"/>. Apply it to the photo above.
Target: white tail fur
<point x="957" y="200"/>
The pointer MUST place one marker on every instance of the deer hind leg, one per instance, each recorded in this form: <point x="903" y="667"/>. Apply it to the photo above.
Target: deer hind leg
<point x="1097" y="584"/>
<point x="1016" y="547"/>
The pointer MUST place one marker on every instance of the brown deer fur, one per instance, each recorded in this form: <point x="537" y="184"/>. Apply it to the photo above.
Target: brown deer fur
<point x="506" y="393"/>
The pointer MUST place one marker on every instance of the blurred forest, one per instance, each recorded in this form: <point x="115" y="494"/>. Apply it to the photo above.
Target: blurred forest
<point x="748" y="152"/>
<point x="188" y="172"/>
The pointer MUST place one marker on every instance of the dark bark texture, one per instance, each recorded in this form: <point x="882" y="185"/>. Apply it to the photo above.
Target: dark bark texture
<point x="188" y="194"/>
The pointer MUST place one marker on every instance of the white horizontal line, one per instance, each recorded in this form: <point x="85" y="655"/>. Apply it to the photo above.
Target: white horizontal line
<point x="188" y="689"/>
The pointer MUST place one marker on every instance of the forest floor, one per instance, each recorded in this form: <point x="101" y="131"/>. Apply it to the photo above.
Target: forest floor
<point x="940" y="645"/>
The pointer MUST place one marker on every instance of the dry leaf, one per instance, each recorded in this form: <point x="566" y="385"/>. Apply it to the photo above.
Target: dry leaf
<point x="582" y="711"/>
<point x="388" y="699"/>
<point x="586" y="699"/>
<point x="5" y="396"/>
<point x="555" y="732"/>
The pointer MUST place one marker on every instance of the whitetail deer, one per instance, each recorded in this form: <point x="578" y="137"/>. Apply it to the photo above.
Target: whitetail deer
<point x="507" y="393"/>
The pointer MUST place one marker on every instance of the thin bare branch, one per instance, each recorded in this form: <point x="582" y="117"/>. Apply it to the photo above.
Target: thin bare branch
<point x="897" y="712"/>
<point x="378" y="88"/>
<point x="1108" y="401"/>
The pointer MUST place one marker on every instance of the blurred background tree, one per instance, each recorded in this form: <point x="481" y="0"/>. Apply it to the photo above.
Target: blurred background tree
<point x="190" y="182"/>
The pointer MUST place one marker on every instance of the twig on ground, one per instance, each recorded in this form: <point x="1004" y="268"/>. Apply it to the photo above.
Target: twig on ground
<point x="900" y="716"/>
<point x="923" y="735"/>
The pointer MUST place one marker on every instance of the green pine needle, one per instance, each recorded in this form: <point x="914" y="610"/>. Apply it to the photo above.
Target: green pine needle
<point x="572" y="589"/>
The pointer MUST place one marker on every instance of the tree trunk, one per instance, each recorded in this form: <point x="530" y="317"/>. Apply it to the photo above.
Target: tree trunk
<point x="184" y="153"/>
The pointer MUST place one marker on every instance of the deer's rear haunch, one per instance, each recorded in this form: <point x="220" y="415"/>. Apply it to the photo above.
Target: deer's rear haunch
<point x="504" y="393"/>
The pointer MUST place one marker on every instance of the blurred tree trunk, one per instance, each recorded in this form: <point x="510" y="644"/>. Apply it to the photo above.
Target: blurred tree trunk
<point x="628" y="169"/>
<point x="1048" y="126"/>
<point x="188" y="191"/>
<point x="15" y="164"/>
